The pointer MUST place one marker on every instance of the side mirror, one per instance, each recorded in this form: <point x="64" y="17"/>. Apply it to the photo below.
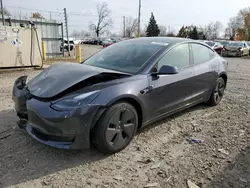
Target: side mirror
<point x="166" y="69"/>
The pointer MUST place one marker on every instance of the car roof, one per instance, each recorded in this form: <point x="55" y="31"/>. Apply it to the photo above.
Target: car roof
<point x="163" y="40"/>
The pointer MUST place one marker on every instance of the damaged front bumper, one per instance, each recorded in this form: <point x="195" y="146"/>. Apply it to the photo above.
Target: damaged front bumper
<point x="60" y="129"/>
<point x="232" y="53"/>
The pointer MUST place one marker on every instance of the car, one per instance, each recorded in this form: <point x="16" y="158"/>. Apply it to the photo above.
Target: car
<point x="236" y="48"/>
<point x="248" y="44"/>
<point x="223" y="42"/>
<point x="86" y="41"/>
<point x="95" y="41"/>
<point x="108" y="42"/>
<point x="64" y="45"/>
<point x="103" y="101"/>
<point x="215" y="45"/>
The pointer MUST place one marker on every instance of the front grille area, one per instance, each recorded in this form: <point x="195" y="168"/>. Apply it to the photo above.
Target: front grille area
<point x="46" y="137"/>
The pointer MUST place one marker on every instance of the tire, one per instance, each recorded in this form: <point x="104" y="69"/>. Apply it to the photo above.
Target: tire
<point x="115" y="129"/>
<point x="242" y="55"/>
<point x="217" y="93"/>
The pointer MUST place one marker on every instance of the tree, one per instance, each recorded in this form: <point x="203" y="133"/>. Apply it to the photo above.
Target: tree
<point x="163" y="30"/>
<point x="232" y="27"/>
<point x="104" y="20"/>
<point x="36" y="15"/>
<point x="244" y="15"/>
<point x="211" y="30"/>
<point x="131" y="26"/>
<point x="193" y="34"/>
<point x="5" y="12"/>
<point x="152" y="29"/>
<point x="182" y="32"/>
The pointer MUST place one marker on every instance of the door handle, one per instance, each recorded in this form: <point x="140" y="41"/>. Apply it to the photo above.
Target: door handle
<point x="147" y="89"/>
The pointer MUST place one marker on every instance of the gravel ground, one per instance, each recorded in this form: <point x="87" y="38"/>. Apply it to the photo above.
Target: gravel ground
<point x="159" y="155"/>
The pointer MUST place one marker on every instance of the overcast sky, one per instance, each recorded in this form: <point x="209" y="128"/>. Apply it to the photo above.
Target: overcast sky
<point x="173" y="13"/>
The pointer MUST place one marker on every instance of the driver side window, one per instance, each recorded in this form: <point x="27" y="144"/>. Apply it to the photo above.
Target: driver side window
<point x="178" y="57"/>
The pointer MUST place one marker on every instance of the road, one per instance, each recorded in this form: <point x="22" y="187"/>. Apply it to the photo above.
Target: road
<point x="159" y="155"/>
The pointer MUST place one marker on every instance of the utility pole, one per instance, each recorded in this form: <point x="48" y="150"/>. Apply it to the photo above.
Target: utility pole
<point x="50" y="17"/>
<point x="2" y="12"/>
<point x="67" y="32"/>
<point x="124" y="27"/>
<point x="139" y="19"/>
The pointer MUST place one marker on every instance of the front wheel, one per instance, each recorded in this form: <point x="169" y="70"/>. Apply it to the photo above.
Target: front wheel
<point x="115" y="129"/>
<point x="218" y="92"/>
<point x="242" y="54"/>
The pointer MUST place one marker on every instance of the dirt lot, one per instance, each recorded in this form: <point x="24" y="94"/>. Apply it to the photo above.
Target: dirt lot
<point x="159" y="156"/>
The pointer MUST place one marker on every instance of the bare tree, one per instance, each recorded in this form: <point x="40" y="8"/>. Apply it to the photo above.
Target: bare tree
<point x="232" y="27"/>
<point x="5" y="11"/>
<point x="131" y="26"/>
<point x="163" y="30"/>
<point x="103" y="21"/>
<point x="212" y="30"/>
<point x="217" y="27"/>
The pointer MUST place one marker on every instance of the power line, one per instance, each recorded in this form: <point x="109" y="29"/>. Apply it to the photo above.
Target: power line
<point x="39" y="10"/>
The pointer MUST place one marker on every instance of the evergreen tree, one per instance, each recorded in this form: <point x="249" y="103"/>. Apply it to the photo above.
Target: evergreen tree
<point x="182" y="32"/>
<point x="194" y="33"/>
<point x="152" y="29"/>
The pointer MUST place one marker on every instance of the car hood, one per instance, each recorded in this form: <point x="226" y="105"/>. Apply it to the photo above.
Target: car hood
<point x="232" y="48"/>
<point x="62" y="76"/>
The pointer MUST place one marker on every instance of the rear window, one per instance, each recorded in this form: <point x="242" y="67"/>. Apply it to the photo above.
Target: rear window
<point x="201" y="53"/>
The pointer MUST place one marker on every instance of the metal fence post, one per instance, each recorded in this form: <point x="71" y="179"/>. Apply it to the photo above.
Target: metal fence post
<point x="44" y="51"/>
<point x="78" y="53"/>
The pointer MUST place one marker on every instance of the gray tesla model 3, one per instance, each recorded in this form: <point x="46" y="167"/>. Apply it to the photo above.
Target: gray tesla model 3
<point x="104" y="100"/>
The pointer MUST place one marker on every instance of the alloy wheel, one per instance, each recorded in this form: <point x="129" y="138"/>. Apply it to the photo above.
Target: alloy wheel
<point x="219" y="91"/>
<point x="120" y="128"/>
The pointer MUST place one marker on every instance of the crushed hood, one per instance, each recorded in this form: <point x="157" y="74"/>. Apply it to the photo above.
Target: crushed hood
<point x="232" y="48"/>
<point x="61" y="76"/>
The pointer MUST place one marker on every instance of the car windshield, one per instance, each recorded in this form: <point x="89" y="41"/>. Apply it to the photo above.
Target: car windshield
<point x="236" y="44"/>
<point x="210" y="43"/>
<point x="224" y="42"/>
<point x="125" y="57"/>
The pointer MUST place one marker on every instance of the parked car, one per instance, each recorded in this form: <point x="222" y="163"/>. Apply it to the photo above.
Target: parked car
<point x="235" y="48"/>
<point x="122" y="88"/>
<point x="248" y="44"/>
<point x="215" y="45"/>
<point x="95" y="41"/>
<point x="64" y="45"/>
<point x="108" y="42"/>
<point x="85" y="40"/>
<point x="223" y="42"/>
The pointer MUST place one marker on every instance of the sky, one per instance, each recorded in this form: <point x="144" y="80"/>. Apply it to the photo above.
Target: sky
<point x="170" y="13"/>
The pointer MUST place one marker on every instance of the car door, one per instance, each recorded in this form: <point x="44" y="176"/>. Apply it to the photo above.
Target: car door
<point x="205" y="69"/>
<point x="172" y="92"/>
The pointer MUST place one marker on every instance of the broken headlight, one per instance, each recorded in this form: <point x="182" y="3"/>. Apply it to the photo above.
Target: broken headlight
<point x="75" y="101"/>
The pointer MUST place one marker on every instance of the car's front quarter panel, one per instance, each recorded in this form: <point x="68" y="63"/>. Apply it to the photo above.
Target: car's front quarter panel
<point x="222" y="67"/>
<point x="127" y="88"/>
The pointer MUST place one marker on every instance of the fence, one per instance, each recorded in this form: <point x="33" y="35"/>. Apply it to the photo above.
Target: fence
<point x="51" y="33"/>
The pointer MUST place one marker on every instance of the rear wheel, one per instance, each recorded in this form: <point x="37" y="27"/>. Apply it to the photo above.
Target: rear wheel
<point x="217" y="93"/>
<point x="115" y="129"/>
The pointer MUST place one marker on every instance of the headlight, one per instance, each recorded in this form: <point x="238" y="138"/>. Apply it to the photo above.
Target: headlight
<point x="76" y="101"/>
